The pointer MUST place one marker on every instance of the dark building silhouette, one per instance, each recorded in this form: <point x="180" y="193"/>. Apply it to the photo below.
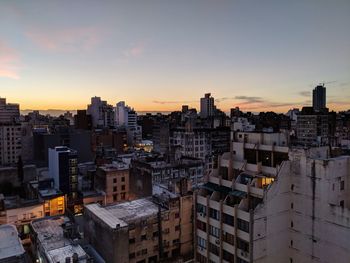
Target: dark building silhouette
<point x="319" y="98"/>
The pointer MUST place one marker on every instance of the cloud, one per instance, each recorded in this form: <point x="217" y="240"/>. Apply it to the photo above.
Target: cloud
<point x="135" y="50"/>
<point x="249" y="99"/>
<point x="9" y="62"/>
<point x="171" y="102"/>
<point x="306" y="93"/>
<point x="66" y="40"/>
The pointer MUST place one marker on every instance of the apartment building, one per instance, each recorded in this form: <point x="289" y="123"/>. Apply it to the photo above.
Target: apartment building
<point x="225" y="204"/>
<point x="10" y="143"/>
<point x="143" y="230"/>
<point x="113" y="181"/>
<point x="270" y="203"/>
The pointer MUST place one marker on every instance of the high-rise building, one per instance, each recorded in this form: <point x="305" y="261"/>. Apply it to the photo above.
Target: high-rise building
<point x="207" y="106"/>
<point x="127" y="117"/>
<point x="63" y="168"/>
<point x="82" y="120"/>
<point x="319" y="98"/>
<point x="267" y="202"/>
<point x="313" y="127"/>
<point x="9" y="112"/>
<point x="102" y="114"/>
<point x="10" y="133"/>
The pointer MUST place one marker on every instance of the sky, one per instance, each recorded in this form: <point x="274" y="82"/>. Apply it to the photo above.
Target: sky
<point x="159" y="54"/>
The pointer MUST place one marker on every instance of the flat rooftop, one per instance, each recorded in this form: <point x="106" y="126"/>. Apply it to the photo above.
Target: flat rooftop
<point x="121" y="215"/>
<point x="10" y="244"/>
<point x="57" y="247"/>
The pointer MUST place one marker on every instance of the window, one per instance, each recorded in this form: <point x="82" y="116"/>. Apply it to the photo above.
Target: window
<point x="228" y="238"/>
<point x="176" y="241"/>
<point x="132" y="255"/>
<point x="214" y="249"/>
<point x="123" y="179"/>
<point x="114" y="180"/>
<point x="201" y="225"/>
<point x="243" y="245"/>
<point x="292" y="187"/>
<point x="342" y="203"/>
<point x="291" y="243"/>
<point x="122" y="196"/>
<point x="143" y="237"/>
<point x="177" y="228"/>
<point x="201" y="209"/>
<point x="291" y="224"/>
<point x="228" y="256"/>
<point x="202" y="243"/>
<point x="144" y="251"/>
<point x="213" y="213"/>
<point x="243" y="225"/>
<point x="155" y="234"/>
<point x="342" y="185"/>
<point x="115" y="197"/>
<point x="214" y="231"/>
<point x="132" y="240"/>
<point x="291" y="206"/>
<point x="177" y="215"/>
<point x="114" y="189"/>
<point x="123" y="187"/>
<point x="228" y="219"/>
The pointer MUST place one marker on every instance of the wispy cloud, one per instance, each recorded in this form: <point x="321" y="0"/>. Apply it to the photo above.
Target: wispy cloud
<point x="66" y="40"/>
<point x="135" y="50"/>
<point x="9" y="61"/>
<point x="250" y="99"/>
<point x="306" y="93"/>
<point x="173" y="102"/>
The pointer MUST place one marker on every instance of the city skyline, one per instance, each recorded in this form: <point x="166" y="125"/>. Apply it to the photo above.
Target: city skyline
<point x="157" y="56"/>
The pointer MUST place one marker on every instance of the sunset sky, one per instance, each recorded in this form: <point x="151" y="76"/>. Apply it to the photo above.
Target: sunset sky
<point x="159" y="54"/>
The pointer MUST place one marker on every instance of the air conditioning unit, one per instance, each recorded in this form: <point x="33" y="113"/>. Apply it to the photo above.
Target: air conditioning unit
<point x="217" y="241"/>
<point x="201" y="214"/>
<point x="244" y="254"/>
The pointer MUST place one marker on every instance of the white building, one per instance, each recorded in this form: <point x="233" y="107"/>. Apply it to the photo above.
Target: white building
<point x="127" y="117"/>
<point x="269" y="203"/>
<point x="242" y="124"/>
<point x="207" y="106"/>
<point x="102" y="114"/>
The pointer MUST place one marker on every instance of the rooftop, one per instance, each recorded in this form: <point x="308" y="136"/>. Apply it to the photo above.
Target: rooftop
<point x="10" y="244"/>
<point x="121" y="215"/>
<point x="50" y="234"/>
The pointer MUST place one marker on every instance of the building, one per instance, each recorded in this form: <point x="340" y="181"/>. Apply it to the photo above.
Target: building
<point x="319" y="98"/>
<point x="143" y="230"/>
<point x="147" y="171"/>
<point x="63" y="168"/>
<point x="82" y="120"/>
<point x="113" y="181"/>
<point x="102" y="114"/>
<point x="11" y="249"/>
<point x="9" y="112"/>
<point x="313" y="128"/>
<point x="225" y="204"/>
<point x="127" y="117"/>
<point x="10" y="133"/>
<point x="20" y="212"/>
<point x="207" y="106"/>
<point x="55" y="239"/>
<point x="193" y="142"/>
<point x="54" y="200"/>
<point x="270" y="203"/>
